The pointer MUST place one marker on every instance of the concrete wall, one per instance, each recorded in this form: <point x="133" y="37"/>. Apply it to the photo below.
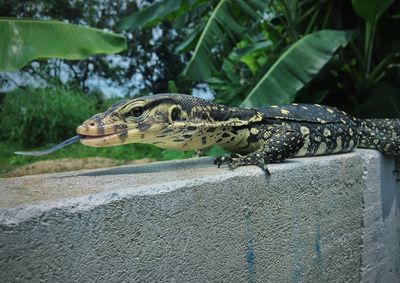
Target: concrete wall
<point x="325" y="219"/>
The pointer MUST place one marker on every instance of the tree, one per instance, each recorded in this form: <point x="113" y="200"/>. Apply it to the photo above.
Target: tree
<point x="253" y="51"/>
<point x="146" y="65"/>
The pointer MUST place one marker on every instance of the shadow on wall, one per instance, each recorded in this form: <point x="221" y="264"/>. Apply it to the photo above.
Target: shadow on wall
<point x="152" y="168"/>
<point x="390" y="188"/>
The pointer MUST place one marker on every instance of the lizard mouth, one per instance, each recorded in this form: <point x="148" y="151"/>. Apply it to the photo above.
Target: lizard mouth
<point x="98" y="136"/>
<point x="104" y="140"/>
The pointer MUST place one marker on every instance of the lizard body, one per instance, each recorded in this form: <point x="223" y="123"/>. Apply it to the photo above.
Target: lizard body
<point x="255" y="136"/>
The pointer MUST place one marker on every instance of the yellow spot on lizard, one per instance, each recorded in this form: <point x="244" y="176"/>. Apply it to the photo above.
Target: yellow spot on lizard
<point x="284" y="111"/>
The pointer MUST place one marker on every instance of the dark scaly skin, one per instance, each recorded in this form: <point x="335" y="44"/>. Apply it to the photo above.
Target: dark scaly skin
<point x="255" y="136"/>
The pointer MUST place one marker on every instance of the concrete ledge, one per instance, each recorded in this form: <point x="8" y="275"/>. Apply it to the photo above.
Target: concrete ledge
<point x="323" y="219"/>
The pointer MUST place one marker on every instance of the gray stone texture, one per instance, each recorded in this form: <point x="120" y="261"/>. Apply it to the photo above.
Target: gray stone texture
<point x="323" y="219"/>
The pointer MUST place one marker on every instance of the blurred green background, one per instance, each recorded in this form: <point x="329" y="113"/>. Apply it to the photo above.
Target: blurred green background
<point x="340" y="53"/>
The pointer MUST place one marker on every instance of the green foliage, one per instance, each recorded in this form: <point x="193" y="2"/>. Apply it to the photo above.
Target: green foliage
<point x="149" y="15"/>
<point x="152" y="15"/>
<point x="255" y="51"/>
<point x="24" y="40"/>
<point x="40" y="116"/>
<point x="34" y="119"/>
<point x="370" y="10"/>
<point x="284" y="79"/>
<point x="116" y="70"/>
<point x="222" y="28"/>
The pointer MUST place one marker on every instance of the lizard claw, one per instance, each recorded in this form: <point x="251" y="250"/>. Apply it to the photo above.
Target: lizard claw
<point x="234" y="163"/>
<point x="264" y="167"/>
<point x="225" y="159"/>
<point x="218" y="161"/>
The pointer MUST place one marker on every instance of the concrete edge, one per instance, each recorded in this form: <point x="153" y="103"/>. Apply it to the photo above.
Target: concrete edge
<point x="21" y="213"/>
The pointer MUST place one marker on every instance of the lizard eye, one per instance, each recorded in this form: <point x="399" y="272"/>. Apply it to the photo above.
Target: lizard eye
<point x="136" y="111"/>
<point x="175" y="114"/>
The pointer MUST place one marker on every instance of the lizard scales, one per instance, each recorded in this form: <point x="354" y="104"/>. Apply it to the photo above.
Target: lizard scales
<point x="254" y="136"/>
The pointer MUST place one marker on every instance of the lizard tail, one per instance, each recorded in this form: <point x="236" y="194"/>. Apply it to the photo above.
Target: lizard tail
<point x="380" y="134"/>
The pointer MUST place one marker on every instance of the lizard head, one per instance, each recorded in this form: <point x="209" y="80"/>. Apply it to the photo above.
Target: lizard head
<point x="174" y="121"/>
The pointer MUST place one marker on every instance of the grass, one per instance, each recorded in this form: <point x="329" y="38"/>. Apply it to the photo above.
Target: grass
<point x="10" y="161"/>
<point x="37" y="117"/>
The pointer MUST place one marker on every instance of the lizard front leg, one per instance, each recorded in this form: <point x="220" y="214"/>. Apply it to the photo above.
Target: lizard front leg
<point x="282" y="144"/>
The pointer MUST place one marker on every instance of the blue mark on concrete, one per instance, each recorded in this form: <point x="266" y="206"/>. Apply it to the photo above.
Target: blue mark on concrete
<point x="318" y="241"/>
<point x="318" y="248"/>
<point x="251" y="261"/>
<point x="250" y="255"/>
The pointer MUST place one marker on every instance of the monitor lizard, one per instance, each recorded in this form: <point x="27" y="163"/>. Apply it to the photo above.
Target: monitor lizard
<point x="254" y="136"/>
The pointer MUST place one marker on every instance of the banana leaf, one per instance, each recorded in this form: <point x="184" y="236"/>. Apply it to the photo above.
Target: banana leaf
<point x="222" y="32"/>
<point x="149" y="15"/>
<point x="370" y="10"/>
<point x="24" y="40"/>
<point x="296" y="67"/>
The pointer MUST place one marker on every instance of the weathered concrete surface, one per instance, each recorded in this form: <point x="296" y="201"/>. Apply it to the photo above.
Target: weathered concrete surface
<point x="325" y="219"/>
<point x="381" y="221"/>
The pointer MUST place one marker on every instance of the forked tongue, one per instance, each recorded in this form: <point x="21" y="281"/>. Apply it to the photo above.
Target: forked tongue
<point x="51" y="149"/>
